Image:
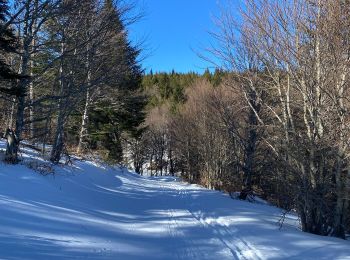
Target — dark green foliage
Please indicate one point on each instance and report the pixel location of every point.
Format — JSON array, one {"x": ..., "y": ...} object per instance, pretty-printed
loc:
[
  {"x": 170, "y": 87},
  {"x": 107, "y": 123},
  {"x": 118, "y": 107},
  {"x": 7, "y": 38},
  {"x": 8, "y": 44},
  {"x": 163, "y": 87},
  {"x": 214, "y": 78},
  {"x": 105, "y": 132}
]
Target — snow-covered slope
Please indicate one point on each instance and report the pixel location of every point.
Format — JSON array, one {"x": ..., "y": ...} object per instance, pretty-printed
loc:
[{"x": 92, "y": 212}]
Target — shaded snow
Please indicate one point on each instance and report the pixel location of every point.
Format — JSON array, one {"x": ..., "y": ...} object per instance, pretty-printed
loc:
[{"x": 94, "y": 212}]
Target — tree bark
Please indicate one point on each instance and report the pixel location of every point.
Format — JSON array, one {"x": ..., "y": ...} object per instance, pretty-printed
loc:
[
  {"x": 250, "y": 147},
  {"x": 58, "y": 143},
  {"x": 84, "y": 123}
]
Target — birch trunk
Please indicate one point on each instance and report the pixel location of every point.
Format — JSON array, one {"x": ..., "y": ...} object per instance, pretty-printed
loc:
[
  {"x": 84, "y": 123},
  {"x": 57, "y": 146},
  {"x": 85, "y": 117}
]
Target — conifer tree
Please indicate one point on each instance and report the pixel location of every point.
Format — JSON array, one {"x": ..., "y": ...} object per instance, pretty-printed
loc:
[
  {"x": 8, "y": 45},
  {"x": 118, "y": 105}
]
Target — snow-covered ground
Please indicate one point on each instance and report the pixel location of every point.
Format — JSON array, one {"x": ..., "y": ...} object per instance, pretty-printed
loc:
[{"x": 88, "y": 211}]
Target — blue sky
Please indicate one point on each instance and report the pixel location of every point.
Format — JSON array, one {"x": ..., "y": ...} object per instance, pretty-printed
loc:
[{"x": 174, "y": 31}]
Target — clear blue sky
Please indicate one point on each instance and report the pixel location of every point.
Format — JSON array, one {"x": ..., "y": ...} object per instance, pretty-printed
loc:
[{"x": 174, "y": 31}]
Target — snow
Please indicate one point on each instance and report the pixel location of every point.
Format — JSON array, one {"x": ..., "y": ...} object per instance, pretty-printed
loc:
[{"x": 92, "y": 211}]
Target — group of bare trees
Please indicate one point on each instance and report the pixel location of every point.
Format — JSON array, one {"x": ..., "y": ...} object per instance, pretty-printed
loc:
[
  {"x": 278, "y": 124},
  {"x": 294, "y": 61},
  {"x": 71, "y": 55}
]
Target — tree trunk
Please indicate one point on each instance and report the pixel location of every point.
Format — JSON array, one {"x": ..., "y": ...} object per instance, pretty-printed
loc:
[
  {"x": 171, "y": 162},
  {"x": 31, "y": 97},
  {"x": 85, "y": 117},
  {"x": 24, "y": 81},
  {"x": 12, "y": 112},
  {"x": 250, "y": 148},
  {"x": 84, "y": 123},
  {"x": 341, "y": 205},
  {"x": 58, "y": 144}
]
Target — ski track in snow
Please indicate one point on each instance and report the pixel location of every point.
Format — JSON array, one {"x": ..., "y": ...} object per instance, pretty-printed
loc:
[
  {"x": 94, "y": 212},
  {"x": 185, "y": 196},
  {"x": 232, "y": 242}
]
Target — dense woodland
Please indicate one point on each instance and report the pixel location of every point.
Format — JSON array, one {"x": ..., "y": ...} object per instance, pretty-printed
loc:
[
  {"x": 271, "y": 119},
  {"x": 68, "y": 62}
]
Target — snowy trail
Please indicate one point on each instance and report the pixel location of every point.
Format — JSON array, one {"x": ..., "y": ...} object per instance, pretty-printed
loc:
[
  {"x": 186, "y": 198},
  {"x": 91, "y": 212},
  {"x": 193, "y": 251}
]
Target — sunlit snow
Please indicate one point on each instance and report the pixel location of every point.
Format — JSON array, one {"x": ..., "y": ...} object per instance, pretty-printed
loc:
[{"x": 94, "y": 212}]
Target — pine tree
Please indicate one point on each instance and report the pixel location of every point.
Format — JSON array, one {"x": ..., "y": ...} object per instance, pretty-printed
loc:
[
  {"x": 78, "y": 38},
  {"x": 7, "y": 46},
  {"x": 119, "y": 107}
]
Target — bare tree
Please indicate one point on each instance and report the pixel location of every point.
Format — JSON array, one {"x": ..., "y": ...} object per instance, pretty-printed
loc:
[
  {"x": 302, "y": 53},
  {"x": 29, "y": 17}
]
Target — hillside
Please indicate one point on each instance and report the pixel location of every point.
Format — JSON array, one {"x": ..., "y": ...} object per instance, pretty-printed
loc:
[{"x": 94, "y": 212}]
